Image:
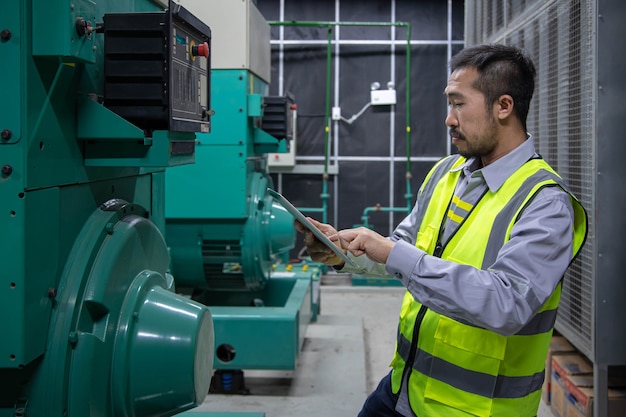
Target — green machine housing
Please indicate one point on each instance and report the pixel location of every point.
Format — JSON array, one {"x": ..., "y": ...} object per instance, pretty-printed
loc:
[
  {"x": 228, "y": 239},
  {"x": 91, "y": 324}
]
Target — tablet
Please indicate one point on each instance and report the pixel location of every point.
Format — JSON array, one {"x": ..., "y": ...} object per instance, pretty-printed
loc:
[{"x": 306, "y": 223}]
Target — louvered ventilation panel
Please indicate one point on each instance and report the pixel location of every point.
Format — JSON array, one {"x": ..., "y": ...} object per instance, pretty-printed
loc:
[{"x": 558, "y": 36}]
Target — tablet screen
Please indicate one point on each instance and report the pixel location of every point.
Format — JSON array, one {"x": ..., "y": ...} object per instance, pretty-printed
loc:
[{"x": 306, "y": 223}]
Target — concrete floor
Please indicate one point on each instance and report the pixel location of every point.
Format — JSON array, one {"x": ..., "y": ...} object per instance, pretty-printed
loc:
[{"x": 345, "y": 354}]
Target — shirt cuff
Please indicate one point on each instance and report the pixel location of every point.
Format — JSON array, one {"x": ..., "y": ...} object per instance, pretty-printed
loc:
[{"x": 402, "y": 260}]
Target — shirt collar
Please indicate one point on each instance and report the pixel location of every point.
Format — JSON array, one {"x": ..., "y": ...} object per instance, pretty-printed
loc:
[{"x": 497, "y": 172}]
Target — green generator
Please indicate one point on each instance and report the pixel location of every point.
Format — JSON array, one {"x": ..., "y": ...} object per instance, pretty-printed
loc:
[
  {"x": 99, "y": 98},
  {"x": 229, "y": 241}
]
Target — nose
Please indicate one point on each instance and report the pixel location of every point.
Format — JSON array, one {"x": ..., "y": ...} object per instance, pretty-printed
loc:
[{"x": 451, "y": 120}]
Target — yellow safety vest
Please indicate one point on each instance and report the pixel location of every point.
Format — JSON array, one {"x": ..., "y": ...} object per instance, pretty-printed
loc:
[{"x": 456, "y": 369}]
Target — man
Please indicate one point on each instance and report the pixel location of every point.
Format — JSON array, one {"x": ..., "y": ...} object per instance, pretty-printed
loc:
[{"x": 482, "y": 255}]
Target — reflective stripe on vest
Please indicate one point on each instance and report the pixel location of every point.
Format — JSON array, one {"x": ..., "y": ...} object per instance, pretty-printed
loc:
[
  {"x": 459, "y": 369},
  {"x": 479, "y": 383}
]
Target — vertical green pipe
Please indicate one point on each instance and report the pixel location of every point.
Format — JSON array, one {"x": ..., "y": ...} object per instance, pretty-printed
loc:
[
  {"x": 324, "y": 196},
  {"x": 408, "y": 196},
  {"x": 327, "y": 104}
]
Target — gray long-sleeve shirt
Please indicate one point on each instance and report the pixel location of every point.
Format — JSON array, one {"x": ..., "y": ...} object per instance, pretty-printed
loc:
[{"x": 528, "y": 268}]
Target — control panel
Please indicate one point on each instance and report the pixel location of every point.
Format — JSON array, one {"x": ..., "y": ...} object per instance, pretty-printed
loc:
[{"x": 157, "y": 69}]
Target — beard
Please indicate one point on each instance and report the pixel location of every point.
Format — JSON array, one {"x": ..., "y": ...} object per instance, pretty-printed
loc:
[{"x": 479, "y": 145}]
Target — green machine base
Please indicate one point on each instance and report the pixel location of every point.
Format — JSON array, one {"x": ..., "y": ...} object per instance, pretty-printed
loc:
[
  {"x": 362, "y": 280},
  {"x": 264, "y": 329}
]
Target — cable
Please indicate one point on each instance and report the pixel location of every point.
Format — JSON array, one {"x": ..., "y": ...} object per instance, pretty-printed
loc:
[{"x": 356, "y": 116}]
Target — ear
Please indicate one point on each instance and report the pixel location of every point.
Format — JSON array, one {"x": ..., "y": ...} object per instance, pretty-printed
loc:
[{"x": 504, "y": 106}]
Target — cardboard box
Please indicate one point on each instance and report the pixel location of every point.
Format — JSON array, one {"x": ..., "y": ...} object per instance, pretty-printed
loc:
[
  {"x": 558, "y": 346},
  {"x": 579, "y": 397},
  {"x": 564, "y": 366},
  {"x": 572, "y": 388}
]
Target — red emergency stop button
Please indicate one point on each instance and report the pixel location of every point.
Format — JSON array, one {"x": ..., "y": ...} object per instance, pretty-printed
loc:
[{"x": 201, "y": 50}]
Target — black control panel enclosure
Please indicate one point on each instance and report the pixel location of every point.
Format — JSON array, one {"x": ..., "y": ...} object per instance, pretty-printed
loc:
[{"x": 157, "y": 69}]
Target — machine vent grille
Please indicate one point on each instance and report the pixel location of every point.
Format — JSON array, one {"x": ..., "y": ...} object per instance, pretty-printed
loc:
[
  {"x": 277, "y": 114},
  {"x": 222, "y": 267},
  {"x": 224, "y": 250}
]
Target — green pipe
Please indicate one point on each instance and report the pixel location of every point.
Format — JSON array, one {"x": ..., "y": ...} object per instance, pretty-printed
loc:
[
  {"x": 311, "y": 209},
  {"x": 325, "y": 197},
  {"x": 329, "y": 25},
  {"x": 365, "y": 216},
  {"x": 327, "y": 104},
  {"x": 408, "y": 196}
]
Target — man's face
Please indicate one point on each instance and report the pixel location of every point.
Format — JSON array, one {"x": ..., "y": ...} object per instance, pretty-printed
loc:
[{"x": 473, "y": 128}]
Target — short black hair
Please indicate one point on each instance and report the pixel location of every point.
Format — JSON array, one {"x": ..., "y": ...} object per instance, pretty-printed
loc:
[{"x": 501, "y": 70}]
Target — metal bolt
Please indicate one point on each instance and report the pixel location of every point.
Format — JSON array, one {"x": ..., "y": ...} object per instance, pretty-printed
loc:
[
  {"x": 5, "y": 34},
  {"x": 6, "y": 134},
  {"x": 7, "y": 170},
  {"x": 52, "y": 292}
]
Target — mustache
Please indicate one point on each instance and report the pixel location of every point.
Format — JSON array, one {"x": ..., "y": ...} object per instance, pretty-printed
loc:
[{"x": 455, "y": 133}]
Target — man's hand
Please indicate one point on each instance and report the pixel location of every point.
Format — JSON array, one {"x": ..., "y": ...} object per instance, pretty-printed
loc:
[
  {"x": 365, "y": 241},
  {"x": 316, "y": 249}
]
